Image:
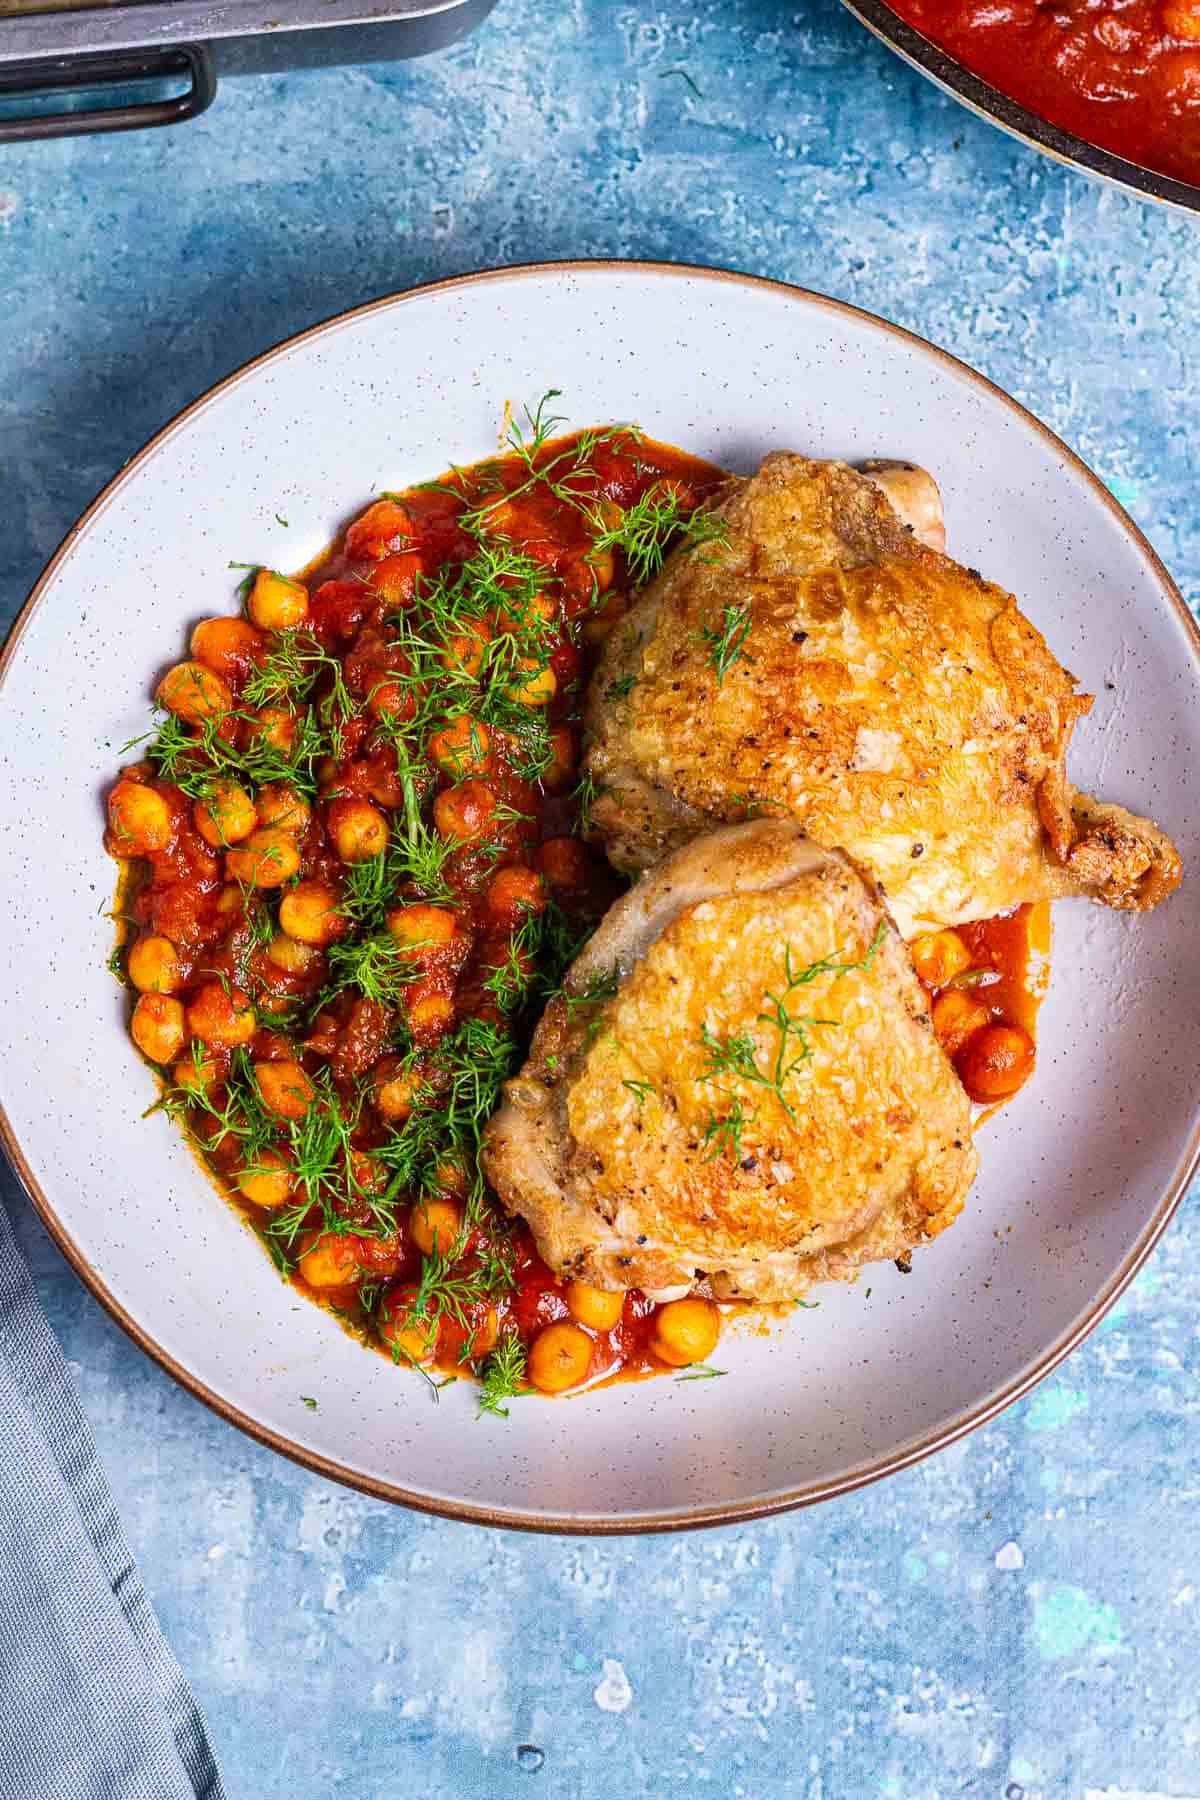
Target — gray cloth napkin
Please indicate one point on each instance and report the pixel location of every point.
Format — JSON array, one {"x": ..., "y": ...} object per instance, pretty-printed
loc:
[{"x": 93, "y": 1705}]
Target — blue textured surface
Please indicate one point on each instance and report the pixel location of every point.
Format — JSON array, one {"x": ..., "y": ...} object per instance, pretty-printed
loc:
[{"x": 1017, "y": 1617}]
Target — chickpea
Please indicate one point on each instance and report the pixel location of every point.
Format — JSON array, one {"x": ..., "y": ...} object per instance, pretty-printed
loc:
[
  {"x": 396, "y": 1091},
  {"x": 384, "y": 528},
  {"x": 154, "y": 966},
  {"x": 289, "y": 956},
  {"x": 465, "y": 650},
  {"x": 559, "y": 772},
  {"x": 464, "y": 811},
  {"x": 559, "y": 1358},
  {"x": 939, "y": 956},
  {"x": 276, "y": 728},
  {"x": 597, "y": 1307},
  {"x": 217, "y": 1017},
  {"x": 367, "y": 1174},
  {"x": 309, "y": 914},
  {"x": 462, "y": 747},
  {"x": 274, "y": 1005},
  {"x": 452, "y": 1177},
  {"x": 230, "y": 902},
  {"x": 139, "y": 819},
  {"x": 685, "y": 1331},
  {"x": 957, "y": 1016},
  {"x": 266, "y": 859},
  {"x": 331, "y": 1260},
  {"x": 267, "y": 1183},
  {"x": 285, "y": 1088},
  {"x": 410, "y": 1338},
  {"x": 601, "y": 568},
  {"x": 194, "y": 693},
  {"x": 538, "y": 686},
  {"x": 196, "y": 1076},
  {"x": 227, "y": 646},
  {"x": 430, "y": 1016},
  {"x": 435, "y": 1225},
  {"x": 391, "y": 700},
  {"x": 385, "y": 786},
  {"x": 358, "y": 829},
  {"x": 275, "y": 603},
  {"x": 158, "y": 1027},
  {"x": 285, "y": 808},
  {"x": 530, "y": 612},
  {"x": 421, "y": 927},
  {"x": 1181, "y": 18},
  {"x": 997, "y": 1061},
  {"x": 227, "y": 815},
  {"x": 394, "y": 578},
  {"x": 597, "y": 628},
  {"x": 565, "y": 863},
  {"x": 513, "y": 894}
]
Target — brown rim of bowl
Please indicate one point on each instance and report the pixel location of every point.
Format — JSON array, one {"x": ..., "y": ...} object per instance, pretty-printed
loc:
[
  {"x": 1031, "y": 128},
  {"x": 630, "y": 1523}
]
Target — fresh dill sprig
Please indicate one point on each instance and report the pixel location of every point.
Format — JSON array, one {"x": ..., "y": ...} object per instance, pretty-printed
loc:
[
  {"x": 725, "y": 641},
  {"x": 598, "y": 988},
  {"x": 585, "y": 796},
  {"x": 737, "y": 1054},
  {"x": 461, "y": 1084},
  {"x": 654, "y": 525},
  {"x": 554, "y": 943},
  {"x": 641, "y": 1090},
  {"x": 317, "y": 1148},
  {"x": 379, "y": 967},
  {"x": 196, "y": 760},
  {"x": 502, "y": 1376},
  {"x": 514, "y": 979},
  {"x": 451, "y": 1288},
  {"x": 567, "y": 473},
  {"x": 723, "y": 1132}
]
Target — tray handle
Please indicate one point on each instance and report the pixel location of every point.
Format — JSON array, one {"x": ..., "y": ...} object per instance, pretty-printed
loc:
[{"x": 106, "y": 68}]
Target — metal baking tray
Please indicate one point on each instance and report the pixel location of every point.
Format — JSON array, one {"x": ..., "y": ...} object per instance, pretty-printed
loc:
[
  {"x": 53, "y": 53},
  {"x": 1017, "y": 120}
]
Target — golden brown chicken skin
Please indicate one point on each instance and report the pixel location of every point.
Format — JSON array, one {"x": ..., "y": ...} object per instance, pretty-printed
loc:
[
  {"x": 828, "y": 665},
  {"x": 740, "y": 1082}
]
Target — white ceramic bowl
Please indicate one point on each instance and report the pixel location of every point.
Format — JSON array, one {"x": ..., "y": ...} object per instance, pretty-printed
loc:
[{"x": 1079, "y": 1175}]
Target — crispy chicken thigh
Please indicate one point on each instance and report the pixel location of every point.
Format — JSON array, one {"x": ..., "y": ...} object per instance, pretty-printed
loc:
[
  {"x": 740, "y": 1081},
  {"x": 827, "y": 663}
]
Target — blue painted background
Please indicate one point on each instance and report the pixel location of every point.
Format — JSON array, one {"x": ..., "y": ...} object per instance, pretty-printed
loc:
[{"x": 1017, "y": 1618}]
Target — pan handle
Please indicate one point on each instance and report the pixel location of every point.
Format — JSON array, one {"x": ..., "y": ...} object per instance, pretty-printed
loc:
[{"x": 106, "y": 68}]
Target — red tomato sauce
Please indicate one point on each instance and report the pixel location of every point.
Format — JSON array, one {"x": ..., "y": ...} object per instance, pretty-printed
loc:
[
  {"x": 985, "y": 981},
  {"x": 354, "y": 725},
  {"x": 1121, "y": 74}
]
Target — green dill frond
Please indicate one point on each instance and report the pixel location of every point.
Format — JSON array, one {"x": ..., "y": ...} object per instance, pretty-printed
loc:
[
  {"x": 725, "y": 641},
  {"x": 723, "y": 1132},
  {"x": 585, "y": 795},
  {"x": 598, "y": 989},
  {"x": 378, "y": 967},
  {"x": 651, "y": 528},
  {"x": 502, "y": 1377},
  {"x": 737, "y": 1055},
  {"x": 196, "y": 760}
]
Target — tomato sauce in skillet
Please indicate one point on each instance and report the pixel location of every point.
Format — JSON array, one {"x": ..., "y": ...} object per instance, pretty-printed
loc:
[{"x": 1122, "y": 74}]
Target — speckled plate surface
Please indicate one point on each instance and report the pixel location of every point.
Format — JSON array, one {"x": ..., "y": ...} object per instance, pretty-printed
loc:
[{"x": 1080, "y": 1174}]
